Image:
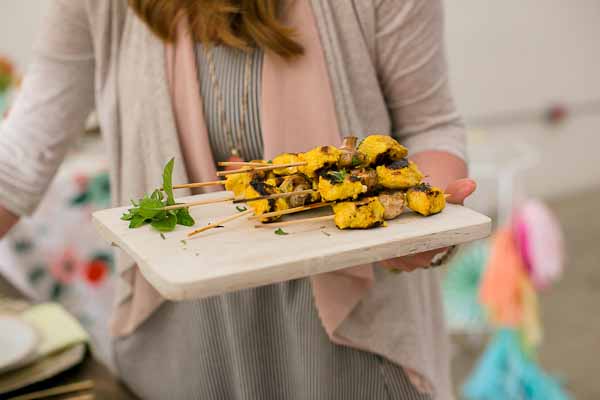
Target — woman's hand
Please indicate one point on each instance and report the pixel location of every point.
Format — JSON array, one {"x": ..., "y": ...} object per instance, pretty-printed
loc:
[{"x": 458, "y": 190}]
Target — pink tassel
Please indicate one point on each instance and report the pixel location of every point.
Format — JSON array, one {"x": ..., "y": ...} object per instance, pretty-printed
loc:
[{"x": 540, "y": 242}]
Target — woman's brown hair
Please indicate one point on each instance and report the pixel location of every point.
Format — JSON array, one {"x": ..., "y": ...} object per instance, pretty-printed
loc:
[{"x": 240, "y": 24}]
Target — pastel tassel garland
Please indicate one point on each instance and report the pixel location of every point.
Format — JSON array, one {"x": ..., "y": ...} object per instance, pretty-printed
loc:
[{"x": 524, "y": 257}]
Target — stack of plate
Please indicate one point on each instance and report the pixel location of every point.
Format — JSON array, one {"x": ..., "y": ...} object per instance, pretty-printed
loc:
[{"x": 20, "y": 365}]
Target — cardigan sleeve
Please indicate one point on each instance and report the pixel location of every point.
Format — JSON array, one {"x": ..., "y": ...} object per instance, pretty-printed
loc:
[
  {"x": 412, "y": 68},
  {"x": 50, "y": 110}
]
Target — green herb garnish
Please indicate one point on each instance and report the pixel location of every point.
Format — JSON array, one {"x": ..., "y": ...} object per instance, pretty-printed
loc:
[
  {"x": 149, "y": 209},
  {"x": 337, "y": 176},
  {"x": 241, "y": 209},
  {"x": 356, "y": 161},
  {"x": 162, "y": 235},
  {"x": 280, "y": 231},
  {"x": 183, "y": 242}
]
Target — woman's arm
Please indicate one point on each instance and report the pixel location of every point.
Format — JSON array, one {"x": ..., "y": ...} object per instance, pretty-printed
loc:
[
  {"x": 413, "y": 73},
  {"x": 50, "y": 110},
  {"x": 412, "y": 67}
]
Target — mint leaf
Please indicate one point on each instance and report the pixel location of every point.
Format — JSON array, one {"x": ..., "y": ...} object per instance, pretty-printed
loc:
[
  {"x": 168, "y": 181},
  {"x": 150, "y": 207},
  {"x": 184, "y": 218},
  {"x": 166, "y": 224},
  {"x": 241, "y": 209},
  {"x": 337, "y": 176},
  {"x": 157, "y": 195},
  {"x": 128, "y": 216},
  {"x": 137, "y": 221},
  {"x": 280, "y": 231}
]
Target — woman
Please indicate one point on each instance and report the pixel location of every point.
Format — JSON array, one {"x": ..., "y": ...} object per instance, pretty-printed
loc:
[{"x": 210, "y": 80}]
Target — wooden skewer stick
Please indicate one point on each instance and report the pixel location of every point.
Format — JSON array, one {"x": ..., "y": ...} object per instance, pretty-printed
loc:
[
  {"x": 296, "y": 221},
  {"x": 274, "y": 196},
  {"x": 219, "y": 223},
  {"x": 447, "y": 195},
  {"x": 241, "y": 164},
  {"x": 196, "y": 203},
  {"x": 268, "y": 167},
  {"x": 290, "y": 210},
  {"x": 233, "y": 199},
  {"x": 55, "y": 391},
  {"x": 198, "y": 184}
]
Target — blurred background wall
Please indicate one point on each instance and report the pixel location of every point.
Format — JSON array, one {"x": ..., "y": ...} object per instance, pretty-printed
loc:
[
  {"x": 19, "y": 21},
  {"x": 510, "y": 60}
]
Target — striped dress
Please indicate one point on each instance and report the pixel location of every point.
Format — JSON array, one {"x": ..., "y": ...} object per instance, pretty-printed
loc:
[{"x": 263, "y": 343}]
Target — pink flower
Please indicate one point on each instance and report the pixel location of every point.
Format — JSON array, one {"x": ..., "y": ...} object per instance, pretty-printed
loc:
[{"x": 64, "y": 268}]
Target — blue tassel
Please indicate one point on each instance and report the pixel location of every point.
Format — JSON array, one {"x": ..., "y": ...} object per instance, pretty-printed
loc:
[{"x": 505, "y": 373}]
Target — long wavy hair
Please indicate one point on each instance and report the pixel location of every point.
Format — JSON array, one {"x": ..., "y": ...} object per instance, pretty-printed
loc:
[{"x": 242, "y": 24}]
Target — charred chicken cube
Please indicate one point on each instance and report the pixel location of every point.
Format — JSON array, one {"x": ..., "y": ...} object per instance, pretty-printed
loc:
[
  {"x": 400, "y": 174},
  {"x": 237, "y": 183},
  {"x": 257, "y": 189},
  {"x": 318, "y": 159},
  {"x": 393, "y": 203},
  {"x": 286, "y": 158},
  {"x": 363, "y": 214},
  {"x": 426, "y": 200},
  {"x": 339, "y": 185},
  {"x": 381, "y": 149}
]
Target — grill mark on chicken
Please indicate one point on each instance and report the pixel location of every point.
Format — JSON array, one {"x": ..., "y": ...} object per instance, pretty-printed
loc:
[{"x": 398, "y": 164}]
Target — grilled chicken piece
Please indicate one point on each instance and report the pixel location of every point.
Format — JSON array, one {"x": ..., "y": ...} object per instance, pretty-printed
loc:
[
  {"x": 340, "y": 185},
  {"x": 363, "y": 214},
  {"x": 319, "y": 159},
  {"x": 286, "y": 158},
  {"x": 400, "y": 174},
  {"x": 237, "y": 183},
  {"x": 381, "y": 149},
  {"x": 393, "y": 204},
  {"x": 257, "y": 189},
  {"x": 426, "y": 200}
]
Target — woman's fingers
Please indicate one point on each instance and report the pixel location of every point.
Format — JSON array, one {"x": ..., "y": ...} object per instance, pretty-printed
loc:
[
  {"x": 412, "y": 262},
  {"x": 460, "y": 189}
]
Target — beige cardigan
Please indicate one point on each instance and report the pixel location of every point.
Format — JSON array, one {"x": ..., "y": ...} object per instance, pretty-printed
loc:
[{"x": 387, "y": 73}]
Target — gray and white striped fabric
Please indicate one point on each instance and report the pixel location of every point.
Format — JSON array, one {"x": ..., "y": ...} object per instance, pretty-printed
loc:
[
  {"x": 264, "y": 343},
  {"x": 229, "y": 66}
]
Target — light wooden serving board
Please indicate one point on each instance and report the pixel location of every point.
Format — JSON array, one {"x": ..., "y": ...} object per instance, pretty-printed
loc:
[{"x": 241, "y": 256}]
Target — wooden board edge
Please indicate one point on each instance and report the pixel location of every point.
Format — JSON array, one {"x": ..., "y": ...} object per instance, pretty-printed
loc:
[
  {"x": 166, "y": 290},
  {"x": 179, "y": 292}
]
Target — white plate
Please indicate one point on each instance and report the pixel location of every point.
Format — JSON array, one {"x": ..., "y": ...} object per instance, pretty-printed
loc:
[
  {"x": 240, "y": 256},
  {"x": 18, "y": 342}
]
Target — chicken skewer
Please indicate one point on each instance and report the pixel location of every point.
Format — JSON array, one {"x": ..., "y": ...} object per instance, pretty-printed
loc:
[{"x": 375, "y": 210}]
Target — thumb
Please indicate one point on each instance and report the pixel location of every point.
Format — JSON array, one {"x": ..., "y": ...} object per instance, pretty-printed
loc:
[{"x": 460, "y": 189}]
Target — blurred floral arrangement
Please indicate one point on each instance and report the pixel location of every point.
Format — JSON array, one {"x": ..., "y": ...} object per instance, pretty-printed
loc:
[{"x": 9, "y": 79}]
